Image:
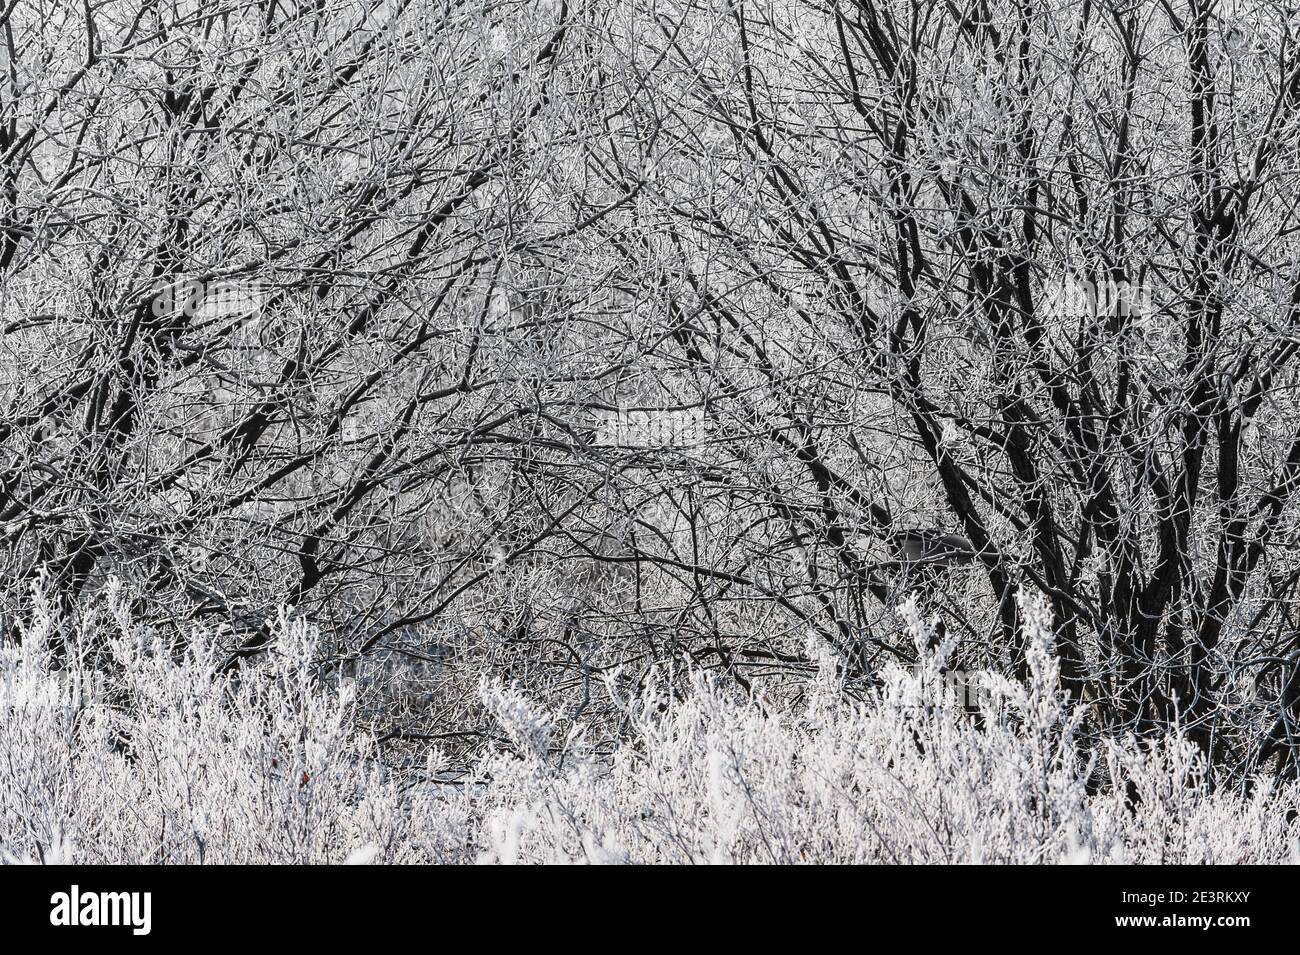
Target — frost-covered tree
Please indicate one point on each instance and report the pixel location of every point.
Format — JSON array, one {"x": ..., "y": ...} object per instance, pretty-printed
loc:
[{"x": 538, "y": 341}]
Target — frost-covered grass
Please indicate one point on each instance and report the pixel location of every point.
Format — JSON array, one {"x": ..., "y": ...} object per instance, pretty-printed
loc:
[{"x": 177, "y": 763}]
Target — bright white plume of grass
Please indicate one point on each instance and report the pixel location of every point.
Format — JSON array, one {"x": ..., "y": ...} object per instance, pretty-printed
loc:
[{"x": 171, "y": 761}]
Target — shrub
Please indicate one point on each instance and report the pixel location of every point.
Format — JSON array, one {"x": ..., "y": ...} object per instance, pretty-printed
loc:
[{"x": 155, "y": 755}]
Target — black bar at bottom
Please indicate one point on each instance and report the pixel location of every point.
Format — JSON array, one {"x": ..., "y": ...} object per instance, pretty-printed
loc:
[{"x": 301, "y": 906}]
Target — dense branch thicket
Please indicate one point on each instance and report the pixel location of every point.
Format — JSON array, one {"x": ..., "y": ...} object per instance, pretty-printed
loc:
[{"x": 535, "y": 339}]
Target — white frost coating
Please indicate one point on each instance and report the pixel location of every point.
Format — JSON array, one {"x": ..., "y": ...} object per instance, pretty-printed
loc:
[{"x": 178, "y": 763}]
